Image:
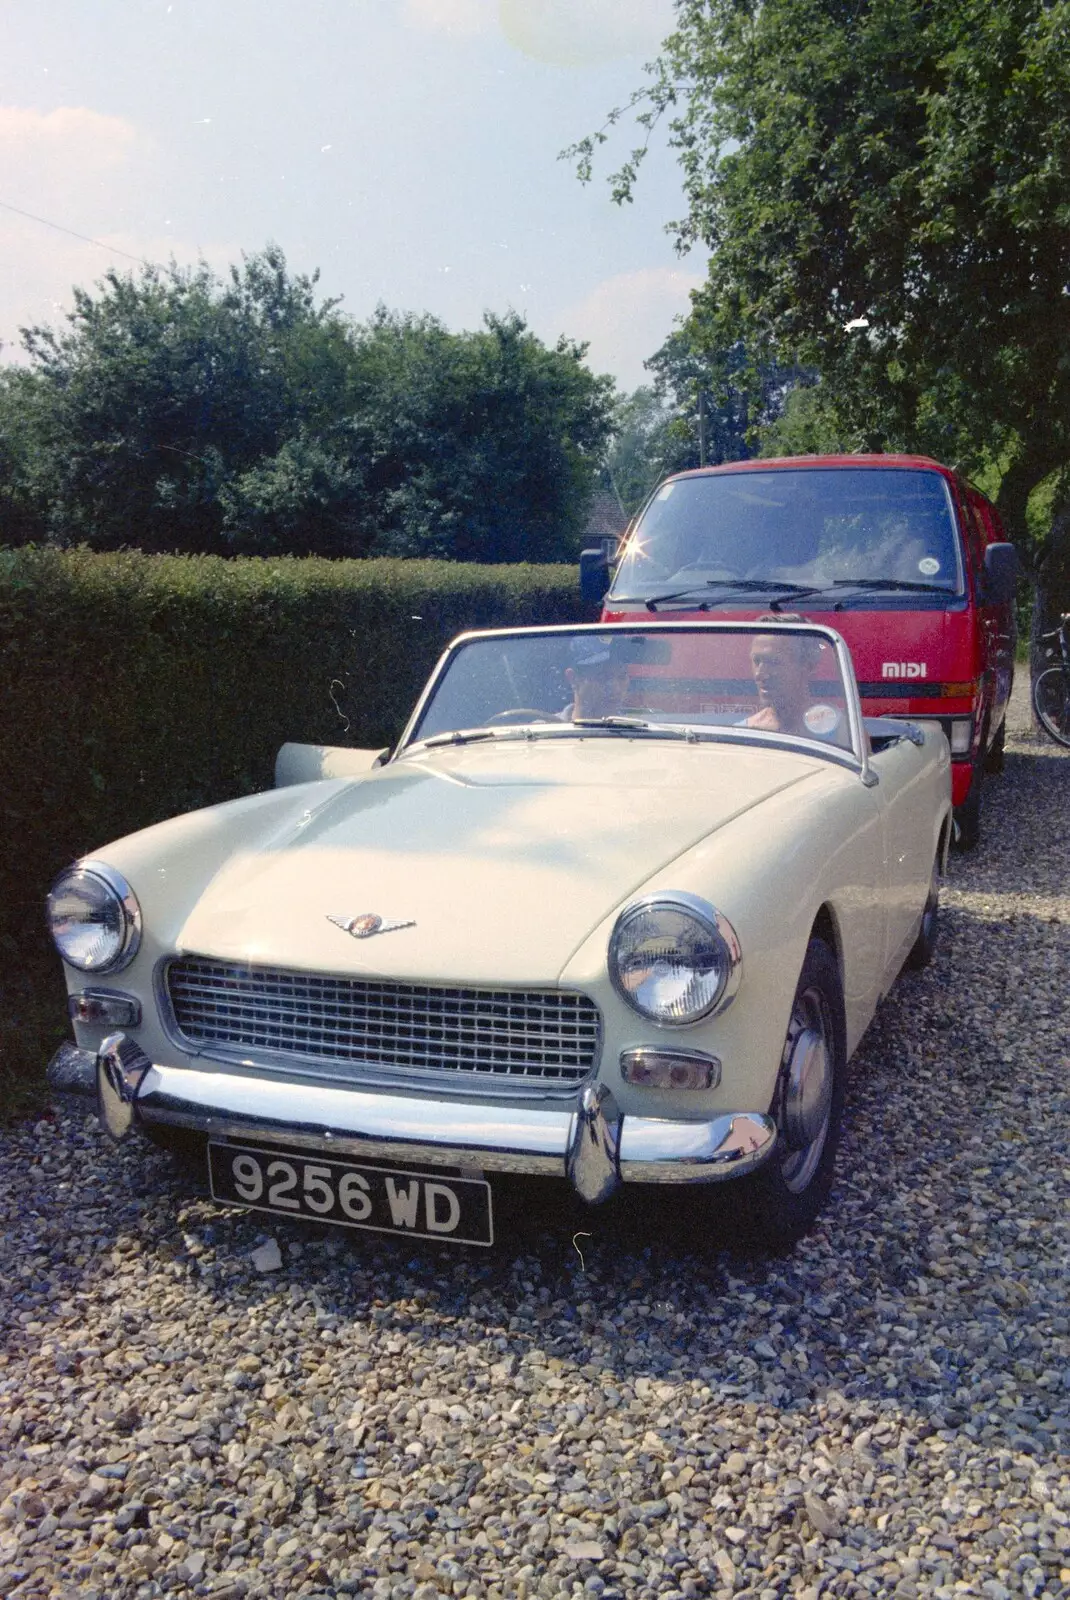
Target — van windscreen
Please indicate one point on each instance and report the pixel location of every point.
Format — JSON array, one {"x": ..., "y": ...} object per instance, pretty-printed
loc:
[{"x": 819, "y": 527}]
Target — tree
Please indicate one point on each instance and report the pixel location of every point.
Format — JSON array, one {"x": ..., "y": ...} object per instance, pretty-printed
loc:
[
  {"x": 179, "y": 411},
  {"x": 739, "y": 395},
  {"x": 482, "y": 446},
  {"x": 650, "y": 440},
  {"x": 882, "y": 188},
  {"x": 705, "y": 406},
  {"x": 808, "y": 425},
  {"x": 164, "y": 386}
]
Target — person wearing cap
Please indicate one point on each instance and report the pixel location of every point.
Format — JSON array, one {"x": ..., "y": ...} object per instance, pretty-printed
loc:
[{"x": 598, "y": 678}]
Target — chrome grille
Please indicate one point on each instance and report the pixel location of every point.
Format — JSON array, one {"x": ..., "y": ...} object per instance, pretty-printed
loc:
[{"x": 543, "y": 1035}]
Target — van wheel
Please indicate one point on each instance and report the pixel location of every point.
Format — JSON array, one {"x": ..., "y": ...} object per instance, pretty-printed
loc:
[
  {"x": 783, "y": 1197},
  {"x": 968, "y": 816},
  {"x": 994, "y": 760}
]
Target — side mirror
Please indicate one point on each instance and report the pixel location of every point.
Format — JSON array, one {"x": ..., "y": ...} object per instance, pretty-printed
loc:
[
  {"x": 594, "y": 575},
  {"x": 1000, "y": 573},
  {"x": 307, "y": 763}
]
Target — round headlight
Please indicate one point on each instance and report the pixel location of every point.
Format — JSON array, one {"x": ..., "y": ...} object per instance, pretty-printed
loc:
[
  {"x": 674, "y": 958},
  {"x": 94, "y": 918}
]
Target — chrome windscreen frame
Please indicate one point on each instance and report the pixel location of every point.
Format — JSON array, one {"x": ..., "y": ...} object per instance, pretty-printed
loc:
[
  {"x": 855, "y": 759},
  {"x": 474, "y": 1086}
]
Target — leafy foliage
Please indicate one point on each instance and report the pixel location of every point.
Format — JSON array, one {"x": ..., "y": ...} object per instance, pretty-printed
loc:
[
  {"x": 883, "y": 189},
  {"x": 650, "y": 440},
  {"x": 181, "y": 412},
  {"x": 701, "y": 396},
  {"x": 741, "y": 395},
  {"x": 482, "y": 446},
  {"x": 808, "y": 425}
]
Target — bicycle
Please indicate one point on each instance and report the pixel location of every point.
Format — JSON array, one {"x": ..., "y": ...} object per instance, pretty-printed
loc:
[{"x": 1051, "y": 689}]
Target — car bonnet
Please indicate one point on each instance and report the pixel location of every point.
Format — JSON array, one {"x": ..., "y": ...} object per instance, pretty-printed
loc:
[{"x": 498, "y": 859}]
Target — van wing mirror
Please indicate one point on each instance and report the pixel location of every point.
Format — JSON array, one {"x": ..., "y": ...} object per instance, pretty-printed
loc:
[
  {"x": 595, "y": 575},
  {"x": 1000, "y": 573},
  {"x": 307, "y": 763}
]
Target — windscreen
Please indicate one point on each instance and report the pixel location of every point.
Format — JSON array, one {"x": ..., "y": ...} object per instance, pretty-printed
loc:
[
  {"x": 777, "y": 679},
  {"x": 820, "y": 527}
]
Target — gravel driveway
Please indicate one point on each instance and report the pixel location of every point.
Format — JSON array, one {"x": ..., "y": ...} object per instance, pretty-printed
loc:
[{"x": 886, "y": 1411}]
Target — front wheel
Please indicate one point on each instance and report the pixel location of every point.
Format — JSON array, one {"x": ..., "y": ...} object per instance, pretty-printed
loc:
[
  {"x": 924, "y": 947},
  {"x": 784, "y": 1197},
  {"x": 1051, "y": 702}
]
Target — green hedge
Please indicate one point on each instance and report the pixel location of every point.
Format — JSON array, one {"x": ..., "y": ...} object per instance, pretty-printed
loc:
[{"x": 137, "y": 686}]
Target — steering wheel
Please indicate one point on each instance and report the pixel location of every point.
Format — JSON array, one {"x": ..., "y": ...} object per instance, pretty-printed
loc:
[{"x": 520, "y": 714}]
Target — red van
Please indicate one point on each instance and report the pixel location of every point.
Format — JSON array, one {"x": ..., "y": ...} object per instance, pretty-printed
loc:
[{"x": 899, "y": 554}]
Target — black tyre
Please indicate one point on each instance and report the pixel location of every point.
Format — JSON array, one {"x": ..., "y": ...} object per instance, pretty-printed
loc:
[
  {"x": 1051, "y": 702},
  {"x": 924, "y": 947},
  {"x": 995, "y": 759},
  {"x": 967, "y": 833},
  {"x": 784, "y": 1197}
]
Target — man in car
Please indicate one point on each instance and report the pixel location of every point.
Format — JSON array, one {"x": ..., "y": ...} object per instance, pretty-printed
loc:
[
  {"x": 598, "y": 678},
  {"x": 781, "y": 665}
]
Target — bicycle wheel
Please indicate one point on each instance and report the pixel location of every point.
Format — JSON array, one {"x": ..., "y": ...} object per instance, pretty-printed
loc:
[{"x": 1051, "y": 702}]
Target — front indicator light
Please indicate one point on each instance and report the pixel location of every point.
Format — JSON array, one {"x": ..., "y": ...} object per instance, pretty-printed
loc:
[
  {"x": 670, "y": 1069},
  {"x": 104, "y": 1008}
]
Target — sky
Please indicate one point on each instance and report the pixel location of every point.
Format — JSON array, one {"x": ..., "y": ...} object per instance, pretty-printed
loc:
[{"x": 407, "y": 149}]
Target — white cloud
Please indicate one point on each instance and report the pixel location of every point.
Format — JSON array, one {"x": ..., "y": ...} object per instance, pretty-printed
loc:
[
  {"x": 628, "y": 317},
  {"x": 56, "y": 154},
  {"x": 450, "y": 16},
  {"x": 81, "y": 170},
  {"x": 562, "y": 33},
  {"x": 582, "y": 33}
]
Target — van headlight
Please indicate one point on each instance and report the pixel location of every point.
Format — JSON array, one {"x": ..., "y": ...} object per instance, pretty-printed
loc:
[
  {"x": 674, "y": 958},
  {"x": 94, "y": 918}
]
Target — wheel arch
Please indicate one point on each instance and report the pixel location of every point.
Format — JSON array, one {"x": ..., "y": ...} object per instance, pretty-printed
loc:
[
  {"x": 947, "y": 829},
  {"x": 826, "y": 926}
]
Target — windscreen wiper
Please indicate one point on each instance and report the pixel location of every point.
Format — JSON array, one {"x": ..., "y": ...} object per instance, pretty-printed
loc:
[
  {"x": 627, "y": 723},
  {"x": 776, "y": 588},
  {"x": 888, "y": 586},
  {"x": 462, "y": 736},
  {"x": 893, "y": 583}
]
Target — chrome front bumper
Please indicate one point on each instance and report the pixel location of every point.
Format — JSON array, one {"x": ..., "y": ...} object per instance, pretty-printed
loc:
[{"x": 591, "y": 1144}]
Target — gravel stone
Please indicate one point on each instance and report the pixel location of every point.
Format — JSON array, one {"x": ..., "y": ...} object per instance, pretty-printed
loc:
[
  {"x": 885, "y": 1411},
  {"x": 267, "y": 1257}
]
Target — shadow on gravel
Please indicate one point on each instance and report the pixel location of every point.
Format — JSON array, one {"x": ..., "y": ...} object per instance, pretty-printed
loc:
[
  {"x": 930, "y": 1287},
  {"x": 1025, "y": 826}
]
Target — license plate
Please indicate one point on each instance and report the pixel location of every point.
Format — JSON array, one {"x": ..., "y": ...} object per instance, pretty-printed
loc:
[{"x": 382, "y": 1199}]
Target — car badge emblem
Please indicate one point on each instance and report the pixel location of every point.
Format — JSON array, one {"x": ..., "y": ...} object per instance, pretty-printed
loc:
[{"x": 366, "y": 924}]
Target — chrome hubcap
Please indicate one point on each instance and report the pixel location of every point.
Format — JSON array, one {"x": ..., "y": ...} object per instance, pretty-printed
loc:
[{"x": 806, "y": 1104}]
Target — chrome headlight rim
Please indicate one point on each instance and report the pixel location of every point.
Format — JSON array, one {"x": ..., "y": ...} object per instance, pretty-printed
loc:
[
  {"x": 716, "y": 925},
  {"x": 116, "y": 885}
]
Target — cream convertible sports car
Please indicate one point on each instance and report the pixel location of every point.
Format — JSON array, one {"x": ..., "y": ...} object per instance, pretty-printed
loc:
[{"x": 618, "y": 907}]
